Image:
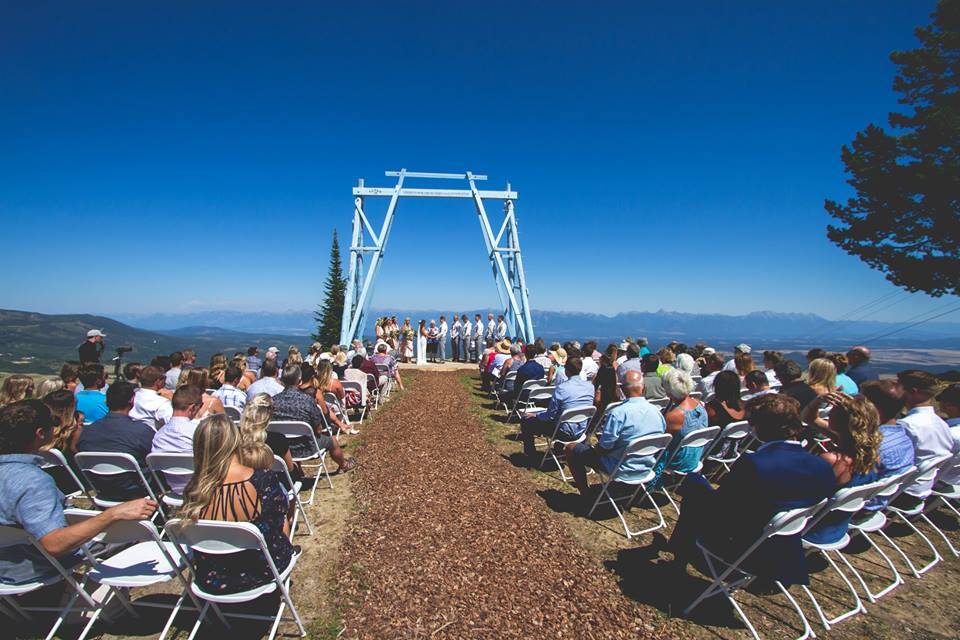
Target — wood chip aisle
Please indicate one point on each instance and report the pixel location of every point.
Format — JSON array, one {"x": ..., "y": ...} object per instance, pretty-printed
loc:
[{"x": 451, "y": 541}]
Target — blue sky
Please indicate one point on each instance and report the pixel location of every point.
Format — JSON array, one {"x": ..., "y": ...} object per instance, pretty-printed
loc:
[{"x": 181, "y": 156}]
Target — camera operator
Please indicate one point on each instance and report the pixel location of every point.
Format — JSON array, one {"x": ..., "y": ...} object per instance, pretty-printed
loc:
[{"x": 91, "y": 349}]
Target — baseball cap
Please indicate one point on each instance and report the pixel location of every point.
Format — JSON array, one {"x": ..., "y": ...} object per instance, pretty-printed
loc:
[
  {"x": 273, "y": 350},
  {"x": 709, "y": 351},
  {"x": 623, "y": 346},
  {"x": 744, "y": 348},
  {"x": 96, "y": 333}
]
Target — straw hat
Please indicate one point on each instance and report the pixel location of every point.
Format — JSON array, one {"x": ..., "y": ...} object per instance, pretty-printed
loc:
[
  {"x": 559, "y": 356},
  {"x": 504, "y": 346}
]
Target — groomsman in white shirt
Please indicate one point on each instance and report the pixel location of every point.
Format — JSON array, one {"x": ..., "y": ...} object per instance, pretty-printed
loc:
[
  {"x": 478, "y": 337},
  {"x": 501, "y": 329},
  {"x": 442, "y": 337},
  {"x": 466, "y": 338},
  {"x": 455, "y": 339},
  {"x": 491, "y": 327}
]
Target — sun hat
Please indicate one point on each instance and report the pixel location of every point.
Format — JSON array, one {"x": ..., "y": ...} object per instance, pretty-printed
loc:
[
  {"x": 709, "y": 351},
  {"x": 743, "y": 348},
  {"x": 559, "y": 356},
  {"x": 96, "y": 333},
  {"x": 504, "y": 346}
]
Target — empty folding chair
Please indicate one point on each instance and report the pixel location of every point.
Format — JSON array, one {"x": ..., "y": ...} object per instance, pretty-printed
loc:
[
  {"x": 354, "y": 389},
  {"x": 15, "y": 536},
  {"x": 698, "y": 438},
  {"x": 233, "y": 413},
  {"x": 294, "y": 430},
  {"x": 844, "y": 503},
  {"x": 94, "y": 465},
  {"x": 573, "y": 414},
  {"x": 293, "y": 493},
  {"x": 55, "y": 463},
  {"x": 730, "y": 445},
  {"x": 226, "y": 538},
  {"x": 163, "y": 466},
  {"x": 927, "y": 472},
  {"x": 144, "y": 561},
  {"x": 726, "y": 577},
  {"x": 652, "y": 446},
  {"x": 663, "y": 403}
]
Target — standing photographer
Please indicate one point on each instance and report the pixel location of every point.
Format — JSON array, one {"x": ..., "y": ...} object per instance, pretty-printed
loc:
[{"x": 91, "y": 349}]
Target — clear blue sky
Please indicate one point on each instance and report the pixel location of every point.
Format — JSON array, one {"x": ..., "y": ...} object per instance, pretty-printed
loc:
[{"x": 192, "y": 155}]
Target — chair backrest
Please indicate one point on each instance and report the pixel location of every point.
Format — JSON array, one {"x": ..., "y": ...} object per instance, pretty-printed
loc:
[
  {"x": 10, "y": 536},
  {"x": 530, "y": 385},
  {"x": 290, "y": 428},
  {"x": 382, "y": 368},
  {"x": 117, "y": 532},
  {"x": 281, "y": 467},
  {"x": 179, "y": 465},
  {"x": 352, "y": 385},
  {"x": 217, "y": 537},
  {"x": 853, "y": 499},
  {"x": 699, "y": 437},
  {"x": 739, "y": 433},
  {"x": 660, "y": 402},
  {"x": 951, "y": 467},
  {"x": 895, "y": 484},
  {"x": 54, "y": 459},
  {"x": 696, "y": 394},
  {"x": 541, "y": 393},
  {"x": 653, "y": 445},
  {"x": 233, "y": 413},
  {"x": 791, "y": 522},
  {"x": 576, "y": 414}
]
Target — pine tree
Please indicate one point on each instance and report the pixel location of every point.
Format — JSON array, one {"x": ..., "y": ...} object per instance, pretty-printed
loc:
[
  {"x": 905, "y": 217},
  {"x": 329, "y": 313}
]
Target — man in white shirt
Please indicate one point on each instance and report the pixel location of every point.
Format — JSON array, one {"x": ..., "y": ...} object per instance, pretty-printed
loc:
[
  {"x": 501, "y": 329},
  {"x": 442, "y": 339},
  {"x": 466, "y": 338},
  {"x": 930, "y": 434},
  {"x": 757, "y": 385},
  {"x": 732, "y": 363},
  {"x": 478, "y": 337},
  {"x": 173, "y": 374},
  {"x": 491, "y": 327},
  {"x": 455, "y": 339},
  {"x": 176, "y": 436},
  {"x": 949, "y": 401},
  {"x": 712, "y": 365},
  {"x": 149, "y": 406},
  {"x": 267, "y": 383},
  {"x": 590, "y": 367},
  {"x": 770, "y": 361}
]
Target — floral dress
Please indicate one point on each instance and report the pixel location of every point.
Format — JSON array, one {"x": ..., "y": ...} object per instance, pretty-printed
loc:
[{"x": 235, "y": 572}]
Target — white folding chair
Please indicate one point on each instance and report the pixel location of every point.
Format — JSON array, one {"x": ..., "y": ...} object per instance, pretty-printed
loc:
[
  {"x": 294, "y": 430},
  {"x": 927, "y": 472},
  {"x": 375, "y": 394},
  {"x": 943, "y": 495},
  {"x": 573, "y": 414},
  {"x": 224, "y": 538},
  {"x": 15, "y": 536},
  {"x": 726, "y": 577},
  {"x": 844, "y": 501},
  {"x": 53, "y": 459},
  {"x": 163, "y": 466},
  {"x": 650, "y": 446},
  {"x": 702, "y": 438},
  {"x": 384, "y": 371},
  {"x": 730, "y": 445},
  {"x": 293, "y": 493},
  {"x": 696, "y": 394},
  {"x": 500, "y": 388},
  {"x": 875, "y": 523},
  {"x": 107, "y": 464},
  {"x": 334, "y": 404},
  {"x": 144, "y": 561},
  {"x": 663, "y": 403},
  {"x": 353, "y": 387},
  {"x": 233, "y": 413},
  {"x": 522, "y": 399}
]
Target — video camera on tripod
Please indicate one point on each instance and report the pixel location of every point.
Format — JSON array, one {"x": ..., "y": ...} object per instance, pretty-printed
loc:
[{"x": 118, "y": 362}]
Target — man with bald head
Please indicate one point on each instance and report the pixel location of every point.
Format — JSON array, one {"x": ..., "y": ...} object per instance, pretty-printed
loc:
[
  {"x": 860, "y": 370},
  {"x": 633, "y": 418}
]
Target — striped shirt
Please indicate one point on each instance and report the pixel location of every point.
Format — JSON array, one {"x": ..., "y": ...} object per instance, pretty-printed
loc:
[{"x": 230, "y": 396}]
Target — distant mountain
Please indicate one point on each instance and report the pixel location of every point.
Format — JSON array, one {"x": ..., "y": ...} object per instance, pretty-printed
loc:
[
  {"x": 658, "y": 326},
  {"x": 36, "y": 342}
]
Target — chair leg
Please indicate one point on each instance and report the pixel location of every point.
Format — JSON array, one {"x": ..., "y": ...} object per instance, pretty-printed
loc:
[
  {"x": 173, "y": 615},
  {"x": 897, "y": 578},
  {"x": 936, "y": 554},
  {"x": 858, "y": 606},
  {"x": 200, "y": 617},
  {"x": 940, "y": 532}
]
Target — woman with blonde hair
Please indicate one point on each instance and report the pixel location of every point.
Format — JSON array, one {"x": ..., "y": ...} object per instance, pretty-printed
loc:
[
  {"x": 822, "y": 376},
  {"x": 293, "y": 356},
  {"x": 327, "y": 381},
  {"x": 248, "y": 377},
  {"x": 218, "y": 366},
  {"x": 201, "y": 378},
  {"x": 257, "y": 445},
  {"x": 15, "y": 388},
  {"x": 224, "y": 488},
  {"x": 744, "y": 364},
  {"x": 67, "y": 422},
  {"x": 48, "y": 386}
]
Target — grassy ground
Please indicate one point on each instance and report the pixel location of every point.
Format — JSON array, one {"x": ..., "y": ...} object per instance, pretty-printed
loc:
[{"x": 924, "y": 608}]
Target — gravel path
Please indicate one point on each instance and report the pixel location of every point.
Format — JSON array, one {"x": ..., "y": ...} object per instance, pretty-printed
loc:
[{"x": 451, "y": 541}]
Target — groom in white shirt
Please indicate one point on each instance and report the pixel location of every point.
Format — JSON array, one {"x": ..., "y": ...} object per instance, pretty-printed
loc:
[
  {"x": 455, "y": 338},
  {"x": 442, "y": 337},
  {"x": 477, "y": 337},
  {"x": 501, "y": 330}
]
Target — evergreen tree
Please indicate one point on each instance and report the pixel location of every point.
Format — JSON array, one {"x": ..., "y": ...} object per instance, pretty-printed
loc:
[
  {"x": 905, "y": 217},
  {"x": 329, "y": 313}
]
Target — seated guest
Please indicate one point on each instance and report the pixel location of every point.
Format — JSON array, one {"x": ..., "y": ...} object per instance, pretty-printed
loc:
[
  {"x": 309, "y": 386},
  {"x": 512, "y": 363},
  {"x": 223, "y": 488},
  {"x": 556, "y": 374},
  {"x": 667, "y": 358},
  {"x": 117, "y": 432},
  {"x": 291, "y": 404},
  {"x": 48, "y": 386},
  {"x": 844, "y": 383},
  {"x": 725, "y": 406},
  {"x": 822, "y": 376},
  {"x": 770, "y": 361},
  {"x": 949, "y": 401},
  {"x": 240, "y": 362},
  {"x": 684, "y": 415},
  {"x": 542, "y": 356},
  {"x": 622, "y": 425},
  {"x": 383, "y": 358},
  {"x": 149, "y": 407},
  {"x": 355, "y": 373},
  {"x": 789, "y": 374},
  {"x": 815, "y": 353},
  {"x": 327, "y": 380},
  {"x": 30, "y": 500},
  {"x": 853, "y": 427},
  {"x": 69, "y": 422},
  {"x": 69, "y": 374},
  {"x": 268, "y": 382},
  {"x": 131, "y": 373},
  {"x": 758, "y": 384},
  {"x": 731, "y": 364},
  {"x": 744, "y": 364},
  {"x": 643, "y": 343},
  {"x": 574, "y": 392},
  {"x": 687, "y": 364},
  {"x": 229, "y": 394},
  {"x": 605, "y": 382},
  {"x": 91, "y": 402},
  {"x": 779, "y": 476},
  {"x": 173, "y": 373},
  {"x": 896, "y": 453},
  {"x": 176, "y": 436},
  {"x": 930, "y": 434},
  {"x": 529, "y": 370},
  {"x": 859, "y": 368},
  {"x": 652, "y": 384},
  {"x": 712, "y": 365},
  {"x": 500, "y": 356},
  {"x": 591, "y": 361},
  {"x": 375, "y": 381},
  {"x": 200, "y": 377},
  {"x": 253, "y": 361},
  {"x": 632, "y": 363},
  {"x": 257, "y": 445}
]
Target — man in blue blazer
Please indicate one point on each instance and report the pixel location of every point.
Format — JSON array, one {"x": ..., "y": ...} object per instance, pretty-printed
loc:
[{"x": 779, "y": 476}]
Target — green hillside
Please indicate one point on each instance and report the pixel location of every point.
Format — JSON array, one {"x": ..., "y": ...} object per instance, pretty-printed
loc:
[{"x": 40, "y": 343}]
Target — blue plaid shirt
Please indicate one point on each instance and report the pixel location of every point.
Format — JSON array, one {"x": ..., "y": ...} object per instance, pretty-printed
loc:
[
  {"x": 897, "y": 454},
  {"x": 230, "y": 396}
]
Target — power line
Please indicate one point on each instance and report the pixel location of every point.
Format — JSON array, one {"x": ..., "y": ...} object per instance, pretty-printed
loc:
[
  {"x": 847, "y": 318},
  {"x": 919, "y": 322}
]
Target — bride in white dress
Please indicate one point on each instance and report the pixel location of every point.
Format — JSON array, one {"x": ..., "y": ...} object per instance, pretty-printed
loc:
[{"x": 422, "y": 343}]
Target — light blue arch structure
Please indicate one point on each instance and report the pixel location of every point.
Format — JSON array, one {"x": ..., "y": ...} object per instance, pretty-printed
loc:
[{"x": 367, "y": 248}]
